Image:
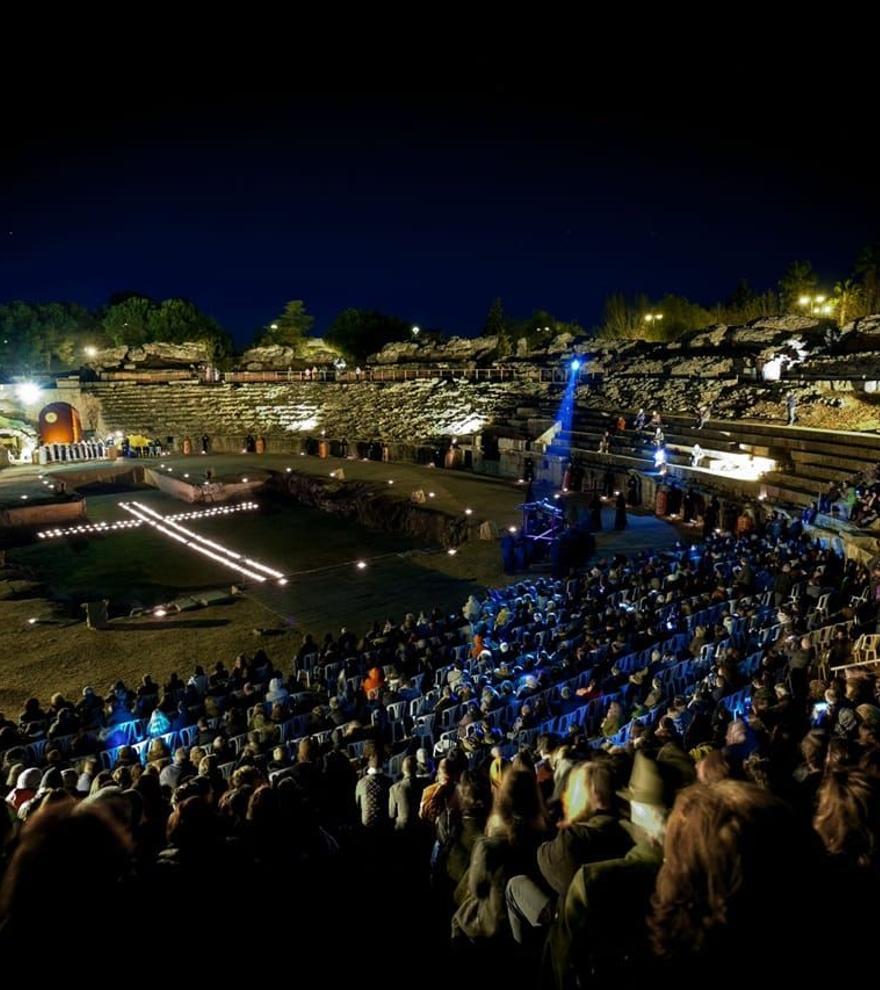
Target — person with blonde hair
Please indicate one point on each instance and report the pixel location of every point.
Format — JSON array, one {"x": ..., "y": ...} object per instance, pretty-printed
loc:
[{"x": 589, "y": 832}]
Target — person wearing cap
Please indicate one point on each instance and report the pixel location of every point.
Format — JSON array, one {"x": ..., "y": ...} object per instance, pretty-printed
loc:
[{"x": 601, "y": 921}]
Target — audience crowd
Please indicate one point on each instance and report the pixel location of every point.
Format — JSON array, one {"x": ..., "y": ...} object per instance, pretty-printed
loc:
[{"x": 661, "y": 767}]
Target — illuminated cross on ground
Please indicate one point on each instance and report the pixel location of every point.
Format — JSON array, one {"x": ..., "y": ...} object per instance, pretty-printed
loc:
[
  {"x": 170, "y": 526},
  {"x": 253, "y": 569},
  {"x": 125, "y": 524}
]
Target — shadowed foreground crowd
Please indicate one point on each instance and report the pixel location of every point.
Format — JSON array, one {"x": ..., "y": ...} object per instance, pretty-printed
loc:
[{"x": 702, "y": 846}]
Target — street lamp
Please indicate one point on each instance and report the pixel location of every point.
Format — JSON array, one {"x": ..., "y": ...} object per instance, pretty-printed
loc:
[
  {"x": 90, "y": 351},
  {"x": 652, "y": 317},
  {"x": 816, "y": 304},
  {"x": 273, "y": 326},
  {"x": 416, "y": 331}
]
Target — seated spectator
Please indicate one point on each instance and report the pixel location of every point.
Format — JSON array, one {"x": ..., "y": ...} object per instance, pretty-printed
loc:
[
  {"x": 589, "y": 832},
  {"x": 514, "y": 830},
  {"x": 600, "y": 928},
  {"x": 739, "y": 870}
]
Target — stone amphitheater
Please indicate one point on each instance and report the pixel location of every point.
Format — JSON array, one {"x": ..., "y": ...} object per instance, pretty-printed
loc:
[
  {"x": 394, "y": 411},
  {"x": 743, "y": 372}
]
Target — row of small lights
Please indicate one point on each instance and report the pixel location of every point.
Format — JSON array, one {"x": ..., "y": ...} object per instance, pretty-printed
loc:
[
  {"x": 104, "y": 527},
  {"x": 49, "y": 534},
  {"x": 220, "y": 510}
]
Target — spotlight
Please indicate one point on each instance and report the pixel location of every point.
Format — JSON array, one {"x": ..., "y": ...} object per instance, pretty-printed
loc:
[
  {"x": 468, "y": 512},
  {"x": 28, "y": 392},
  {"x": 452, "y": 551},
  {"x": 244, "y": 480},
  {"x": 159, "y": 612},
  {"x": 361, "y": 565},
  {"x": 431, "y": 495},
  {"x": 282, "y": 581},
  {"x": 575, "y": 364},
  {"x": 289, "y": 470},
  {"x": 390, "y": 481},
  {"x": 32, "y": 621},
  {"x": 511, "y": 529}
]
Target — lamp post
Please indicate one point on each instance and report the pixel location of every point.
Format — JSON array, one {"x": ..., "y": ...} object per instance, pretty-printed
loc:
[
  {"x": 816, "y": 304},
  {"x": 652, "y": 318}
]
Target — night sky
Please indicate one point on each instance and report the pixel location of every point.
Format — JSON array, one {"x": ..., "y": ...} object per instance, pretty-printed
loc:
[{"x": 425, "y": 205}]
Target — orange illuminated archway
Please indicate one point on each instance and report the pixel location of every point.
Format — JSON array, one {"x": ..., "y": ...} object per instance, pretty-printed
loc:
[{"x": 60, "y": 423}]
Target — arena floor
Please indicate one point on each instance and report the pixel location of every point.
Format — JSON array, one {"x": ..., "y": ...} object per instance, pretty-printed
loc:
[{"x": 318, "y": 552}]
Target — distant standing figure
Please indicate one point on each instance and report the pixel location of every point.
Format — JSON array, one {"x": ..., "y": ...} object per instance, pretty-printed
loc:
[
  {"x": 696, "y": 455},
  {"x": 702, "y": 416},
  {"x": 791, "y": 406},
  {"x": 206, "y": 443},
  {"x": 639, "y": 423},
  {"x": 632, "y": 488},
  {"x": 250, "y": 444},
  {"x": 687, "y": 505},
  {"x": 620, "y": 514}
]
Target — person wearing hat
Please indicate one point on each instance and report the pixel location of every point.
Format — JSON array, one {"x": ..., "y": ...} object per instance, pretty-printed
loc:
[{"x": 601, "y": 922}]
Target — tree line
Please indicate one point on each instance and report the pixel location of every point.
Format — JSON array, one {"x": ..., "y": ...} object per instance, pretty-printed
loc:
[{"x": 38, "y": 337}]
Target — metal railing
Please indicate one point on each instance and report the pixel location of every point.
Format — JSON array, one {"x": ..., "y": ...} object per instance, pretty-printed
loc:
[{"x": 402, "y": 374}]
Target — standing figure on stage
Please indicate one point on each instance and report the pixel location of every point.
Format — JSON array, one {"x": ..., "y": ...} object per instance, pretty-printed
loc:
[{"x": 206, "y": 443}]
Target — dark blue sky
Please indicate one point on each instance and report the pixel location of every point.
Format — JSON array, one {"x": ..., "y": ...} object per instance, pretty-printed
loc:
[{"x": 419, "y": 204}]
